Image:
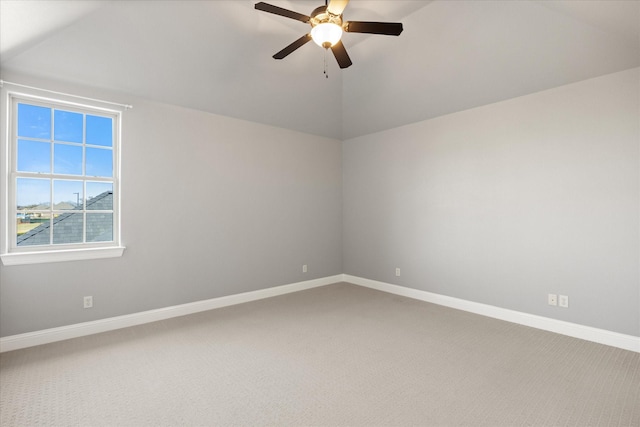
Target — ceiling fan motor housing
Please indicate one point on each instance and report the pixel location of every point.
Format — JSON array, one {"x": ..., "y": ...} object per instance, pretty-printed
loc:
[{"x": 321, "y": 15}]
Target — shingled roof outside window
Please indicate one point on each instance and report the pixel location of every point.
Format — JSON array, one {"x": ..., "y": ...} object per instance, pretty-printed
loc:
[{"x": 99, "y": 228}]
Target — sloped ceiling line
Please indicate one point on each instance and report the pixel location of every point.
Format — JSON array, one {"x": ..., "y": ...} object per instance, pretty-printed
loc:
[{"x": 453, "y": 55}]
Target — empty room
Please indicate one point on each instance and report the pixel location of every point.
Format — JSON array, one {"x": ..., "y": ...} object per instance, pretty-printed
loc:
[{"x": 327, "y": 213}]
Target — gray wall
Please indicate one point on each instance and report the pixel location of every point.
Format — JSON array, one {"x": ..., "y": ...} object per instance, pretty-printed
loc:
[
  {"x": 505, "y": 203},
  {"x": 211, "y": 206},
  {"x": 500, "y": 204}
]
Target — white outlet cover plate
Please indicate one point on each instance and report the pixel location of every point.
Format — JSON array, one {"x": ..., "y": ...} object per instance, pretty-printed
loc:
[{"x": 563, "y": 301}]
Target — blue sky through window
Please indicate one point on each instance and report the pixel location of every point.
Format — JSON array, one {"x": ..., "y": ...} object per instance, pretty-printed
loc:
[
  {"x": 68, "y": 126},
  {"x": 34, "y": 156},
  {"x": 33, "y": 192},
  {"x": 34, "y": 121},
  {"x": 67, "y": 159},
  {"x": 59, "y": 139},
  {"x": 99, "y": 131}
]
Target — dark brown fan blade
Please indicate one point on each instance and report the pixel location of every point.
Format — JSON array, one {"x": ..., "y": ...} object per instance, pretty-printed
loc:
[
  {"x": 265, "y": 7},
  {"x": 341, "y": 55},
  {"x": 293, "y": 46},
  {"x": 386, "y": 28}
]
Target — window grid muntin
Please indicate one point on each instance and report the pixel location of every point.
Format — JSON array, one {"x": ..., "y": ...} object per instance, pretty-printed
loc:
[{"x": 15, "y": 174}]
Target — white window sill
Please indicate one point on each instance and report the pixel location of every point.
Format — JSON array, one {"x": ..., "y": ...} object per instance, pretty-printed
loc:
[{"x": 21, "y": 258}]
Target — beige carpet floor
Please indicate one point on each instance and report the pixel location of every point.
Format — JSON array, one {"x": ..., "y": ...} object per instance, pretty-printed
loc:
[{"x": 336, "y": 355}]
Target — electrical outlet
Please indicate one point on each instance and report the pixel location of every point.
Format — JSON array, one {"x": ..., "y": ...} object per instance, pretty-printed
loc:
[
  {"x": 304, "y": 268},
  {"x": 552, "y": 299},
  {"x": 563, "y": 301},
  {"x": 88, "y": 302},
  {"x": 397, "y": 271}
]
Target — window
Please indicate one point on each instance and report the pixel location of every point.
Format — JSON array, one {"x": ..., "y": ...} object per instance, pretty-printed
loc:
[{"x": 61, "y": 182}]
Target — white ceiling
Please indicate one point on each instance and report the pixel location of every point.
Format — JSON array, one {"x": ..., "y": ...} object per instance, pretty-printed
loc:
[{"x": 216, "y": 55}]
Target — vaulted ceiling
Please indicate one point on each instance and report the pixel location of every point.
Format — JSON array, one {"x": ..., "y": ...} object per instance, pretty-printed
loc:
[{"x": 216, "y": 55}]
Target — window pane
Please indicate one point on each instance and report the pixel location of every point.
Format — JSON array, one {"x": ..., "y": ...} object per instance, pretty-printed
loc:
[
  {"x": 68, "y": 126},
  {"x": 67, "y": 159},
  {"x": 34, "y": 121},
  {"x": 33, "y": 193},
  {"x": 99, "y": 196},
  {"x": 33, "y": 229},
  {"x": 34, "y": 156},
  {"x": 67, "y": 195},
  {"x": 99, "y": 162},
  {"x": 99, "y": 227},
  {"x": 100, "y": 131},
  {"x": 67, "y": 228}
]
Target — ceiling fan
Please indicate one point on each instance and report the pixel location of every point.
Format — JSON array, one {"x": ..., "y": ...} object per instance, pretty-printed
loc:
[{"x": 327, "y": 26}]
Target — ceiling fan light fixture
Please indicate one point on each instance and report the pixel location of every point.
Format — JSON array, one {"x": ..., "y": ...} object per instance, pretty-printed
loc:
[
  {"x": 326, "y": 34},
  {"x": 327, "y": 26}
]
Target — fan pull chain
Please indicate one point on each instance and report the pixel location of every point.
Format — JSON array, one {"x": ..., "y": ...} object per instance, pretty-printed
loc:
[{"x": 326, "y": 74}]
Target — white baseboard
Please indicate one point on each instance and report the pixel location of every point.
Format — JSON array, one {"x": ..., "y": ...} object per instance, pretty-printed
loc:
[
  {"x": 601, "y": 336},
  {"x": 30, "y": 339}
]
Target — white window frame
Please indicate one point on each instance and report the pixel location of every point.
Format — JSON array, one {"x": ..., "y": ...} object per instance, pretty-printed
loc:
[{"x": 10, "y": 253}]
